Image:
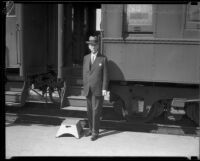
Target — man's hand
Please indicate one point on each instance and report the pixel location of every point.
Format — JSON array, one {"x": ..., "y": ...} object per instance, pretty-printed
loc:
[{"x": 104, "y": 92}]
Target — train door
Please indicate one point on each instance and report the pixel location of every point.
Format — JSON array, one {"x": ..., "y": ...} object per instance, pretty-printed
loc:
[
  {"x": 80, "y": 21},
  {"x": 27, "y": 41},
  {"x": 12, "y": 53},
  {"x": 83, "y": 24}
]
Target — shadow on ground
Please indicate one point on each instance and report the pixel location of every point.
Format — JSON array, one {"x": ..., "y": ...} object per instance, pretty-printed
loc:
[{"x": 51, "y": 115}]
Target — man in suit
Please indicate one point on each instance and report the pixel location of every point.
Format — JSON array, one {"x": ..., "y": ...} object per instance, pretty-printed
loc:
[{"x": 95, "y": 85}]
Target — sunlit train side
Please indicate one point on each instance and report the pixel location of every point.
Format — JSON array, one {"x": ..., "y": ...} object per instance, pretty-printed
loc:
[{"x": 153, "y": 51}]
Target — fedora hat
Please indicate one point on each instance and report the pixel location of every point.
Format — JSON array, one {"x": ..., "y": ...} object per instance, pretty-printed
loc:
[{"x": 92, "y": 40}]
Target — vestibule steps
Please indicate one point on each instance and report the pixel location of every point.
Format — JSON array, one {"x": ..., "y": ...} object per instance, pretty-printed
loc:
[
  {"x": 16, "y": 90},
  {"x": 75, "y": 98}
]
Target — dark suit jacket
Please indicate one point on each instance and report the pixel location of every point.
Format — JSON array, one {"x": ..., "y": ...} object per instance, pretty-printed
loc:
[{"x": 95, "y": 76}]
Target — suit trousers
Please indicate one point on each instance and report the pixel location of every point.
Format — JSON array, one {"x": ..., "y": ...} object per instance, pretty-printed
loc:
[{"x": 94, "y": 110}]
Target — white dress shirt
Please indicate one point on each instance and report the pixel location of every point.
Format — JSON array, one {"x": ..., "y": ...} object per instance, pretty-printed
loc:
[{"x": 93, "y": 57}]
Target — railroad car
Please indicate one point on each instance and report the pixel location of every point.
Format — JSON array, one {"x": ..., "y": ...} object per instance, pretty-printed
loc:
[{"x": 152, "y": 51}]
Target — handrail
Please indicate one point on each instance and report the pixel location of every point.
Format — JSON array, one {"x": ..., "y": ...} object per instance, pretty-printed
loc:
[{"x": 18, "y": 43}]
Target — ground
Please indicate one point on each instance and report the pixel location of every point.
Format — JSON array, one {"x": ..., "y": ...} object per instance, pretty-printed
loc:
[
  {"x": 34, "y": 135},
  {"x": 40, "y": 140}
]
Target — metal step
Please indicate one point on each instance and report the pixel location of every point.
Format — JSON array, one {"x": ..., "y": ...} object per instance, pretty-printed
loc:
[
  {"x": 75, "y": 108},
  {"x": 14, "y": 77},
  {"x": 13, "y": 96},
  {"x": 13, "y": 88},
  {"x": 13, "y": 104},
  {"x": 80, "y": 101},
  {"x": 76, "y": 90},
  {"x": 76, "y": 81},
  {"x": 16, "y": 86}
]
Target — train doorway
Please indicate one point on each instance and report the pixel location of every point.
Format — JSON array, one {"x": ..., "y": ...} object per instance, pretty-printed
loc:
[
  {"x": 12, "y": 48},
  {"x": 80, "y": 22}
]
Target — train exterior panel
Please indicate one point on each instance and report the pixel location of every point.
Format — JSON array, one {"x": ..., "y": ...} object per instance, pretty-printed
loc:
[{"x": 166, "y": 55}]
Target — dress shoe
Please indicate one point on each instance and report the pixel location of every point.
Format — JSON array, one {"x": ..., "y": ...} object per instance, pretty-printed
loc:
[
  {"x": 89, "y": 133},
  {"x": 94, "y": 137}
]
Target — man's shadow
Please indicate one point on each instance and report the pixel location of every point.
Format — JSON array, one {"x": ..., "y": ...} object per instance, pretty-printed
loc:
[{"x": 114, "y": 71}]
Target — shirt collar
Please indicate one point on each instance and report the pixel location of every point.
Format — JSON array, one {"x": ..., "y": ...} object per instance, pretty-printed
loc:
[{"x": 94, "y": 53}]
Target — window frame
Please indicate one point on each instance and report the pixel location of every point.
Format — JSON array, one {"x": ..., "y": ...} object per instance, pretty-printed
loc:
[
  {"x": 98, "y": 22},
  {"x": 146, "y": 30},
  {"x": 13, "y": 7},
  {"x": 191, "y": 24}
]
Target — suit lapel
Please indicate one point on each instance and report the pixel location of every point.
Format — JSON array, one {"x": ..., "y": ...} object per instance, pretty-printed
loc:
[
  {"x": 89, "y": 62},
  {"x": 94, "y": 65}
]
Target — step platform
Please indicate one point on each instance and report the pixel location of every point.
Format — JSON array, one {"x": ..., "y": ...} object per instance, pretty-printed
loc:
[{"x": 70, "y": 126}]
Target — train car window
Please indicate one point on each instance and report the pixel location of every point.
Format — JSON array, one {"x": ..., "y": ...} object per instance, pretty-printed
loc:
[
  {"x": 10, "y": 9},
  {"x": 98, "y": 19},
  {"x": 138, "y": 18},
  {"x": 193, "y": 16}
]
